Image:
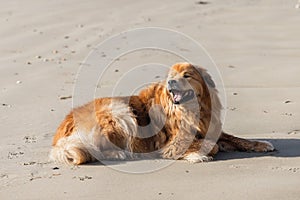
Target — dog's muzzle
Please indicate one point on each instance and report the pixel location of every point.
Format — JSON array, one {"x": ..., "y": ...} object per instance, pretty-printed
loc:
[{"x": 179, "y": 96}]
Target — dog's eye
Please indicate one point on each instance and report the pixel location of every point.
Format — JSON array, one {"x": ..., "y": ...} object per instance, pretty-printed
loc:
[{"x": 186, "y": 76}]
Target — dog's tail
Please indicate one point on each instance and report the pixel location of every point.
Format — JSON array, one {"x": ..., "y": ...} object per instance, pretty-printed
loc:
[
  {"x": 70, "y": 150},
  {"x": 68, "y": 146},
  {"x": 231, "y": 143}
]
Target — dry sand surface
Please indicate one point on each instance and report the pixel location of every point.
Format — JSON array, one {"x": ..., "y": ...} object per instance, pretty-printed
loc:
[{"x": 255, "y": 44}]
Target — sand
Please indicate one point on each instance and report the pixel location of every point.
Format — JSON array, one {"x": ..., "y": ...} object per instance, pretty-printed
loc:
[{"x": 254, "y": 43}]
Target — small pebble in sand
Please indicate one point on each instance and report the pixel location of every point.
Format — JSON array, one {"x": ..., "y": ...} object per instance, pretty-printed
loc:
[
  {"x": 54, "y": 51},
  {"x": 116, "y": 70},
  {"x": 52, "y": 110},
  {"x": 38, "y": 57},
  {"x": 34, "y": 178},
  {"x": 73, "y": 51},
  {"x": 29, "y": 63},
  {"x": 235, "y": 93},
  {"x": 288, "y": 101},
  {"x": 56, "y": 174},
  {"x": 202, "y": 2},
  {"x": 67, "y": 37},
  {"x": 65, "y": 97},
  {"x": 55, "y": 168},
  {"x": 29, "y": 163},
  {"x": 18, "y": 82},
  {"x": 6, "y": 105},
  {"x": 45, "y": 59},
  {"x": 80, "y": 25}
]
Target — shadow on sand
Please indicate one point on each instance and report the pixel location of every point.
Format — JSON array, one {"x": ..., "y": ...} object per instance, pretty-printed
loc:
[
  {"x": 287, "y": 148},
  {"x": 284, "y": 148}
]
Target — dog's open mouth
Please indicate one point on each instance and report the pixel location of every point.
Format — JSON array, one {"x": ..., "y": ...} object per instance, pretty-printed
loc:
[{"x": 181, "y": 96}]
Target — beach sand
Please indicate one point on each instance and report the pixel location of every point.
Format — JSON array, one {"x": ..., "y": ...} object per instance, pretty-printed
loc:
[{"x": 254, "y": 43}]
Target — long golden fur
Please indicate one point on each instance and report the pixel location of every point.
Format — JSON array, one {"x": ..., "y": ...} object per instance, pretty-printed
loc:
[{"x": 175, "y": 119}]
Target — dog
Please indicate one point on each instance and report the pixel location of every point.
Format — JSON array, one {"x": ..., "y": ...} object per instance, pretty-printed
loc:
[{"x": 178, "y": 118}]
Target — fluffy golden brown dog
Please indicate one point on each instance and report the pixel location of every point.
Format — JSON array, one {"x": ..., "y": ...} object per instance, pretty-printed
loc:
[{"x": 175, "y": 119}]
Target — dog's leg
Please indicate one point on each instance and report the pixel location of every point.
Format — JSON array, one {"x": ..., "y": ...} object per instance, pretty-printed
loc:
[
  {"x": 231, "y": 143},
  {"x": 201, "y": 151}
]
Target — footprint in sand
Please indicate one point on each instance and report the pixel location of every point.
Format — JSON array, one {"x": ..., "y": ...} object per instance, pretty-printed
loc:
[
  {"x": 16, "y": 154},
  {"x": 3, "y": 176},
  {"x": 30, "y": 139},
  {"x": 294, "y": 132}
]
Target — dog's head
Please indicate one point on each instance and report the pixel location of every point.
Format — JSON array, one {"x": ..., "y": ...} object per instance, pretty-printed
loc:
[{"x": 186, "y": 82}]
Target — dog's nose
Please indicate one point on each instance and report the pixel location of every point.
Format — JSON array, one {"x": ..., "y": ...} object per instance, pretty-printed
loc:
[{"x": 171, "y": 82}]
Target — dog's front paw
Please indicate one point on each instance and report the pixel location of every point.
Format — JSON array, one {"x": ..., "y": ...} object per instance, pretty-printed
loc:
[
  {"x": 263, "y": 146},
  {"x": 197, "y": 158}
]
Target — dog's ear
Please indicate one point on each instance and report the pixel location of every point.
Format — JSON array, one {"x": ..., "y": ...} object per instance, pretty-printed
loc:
[
  {"x": 206, "y": 77},
  {"x": 208, "y": 80}
]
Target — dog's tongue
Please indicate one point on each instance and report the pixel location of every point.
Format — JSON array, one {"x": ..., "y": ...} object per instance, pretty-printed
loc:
[{"x": 177, "y": 97}]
